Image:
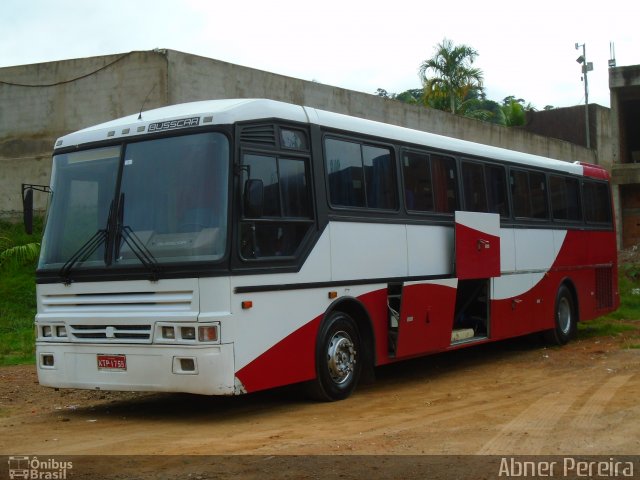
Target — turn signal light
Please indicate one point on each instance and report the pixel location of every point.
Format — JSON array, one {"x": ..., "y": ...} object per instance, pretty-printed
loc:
[{"x": 208, "y": 333}]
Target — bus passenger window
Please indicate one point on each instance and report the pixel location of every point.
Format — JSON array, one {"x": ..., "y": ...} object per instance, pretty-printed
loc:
[
  {"x": 537, "y": 185},
  {"x": 475, "y": 195},
  {"x": 597, "y": 202},
  {"x": 344, "y": 167},
  {"x": 565, "y": 198},
  {"x": 380, "y": 178},
  {"x": 497, "y": 190},
  {"x": 443, "y": 172},
  {"x": 418, "y": 191},
  {"x": 529, "y": 193},
  {"x": 360, "y": 175}
]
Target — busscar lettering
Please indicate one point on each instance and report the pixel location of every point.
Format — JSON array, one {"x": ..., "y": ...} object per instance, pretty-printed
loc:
[{"x": 171, "y": 124}]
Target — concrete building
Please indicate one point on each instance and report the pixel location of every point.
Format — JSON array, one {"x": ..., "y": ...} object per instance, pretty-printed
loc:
[
  {"x": 40, "y": 102},
  {"x": 624, "y": 85}
]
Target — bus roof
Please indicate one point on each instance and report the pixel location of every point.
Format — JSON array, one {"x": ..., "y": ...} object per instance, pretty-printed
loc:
[{"x": 228, "y": 111}]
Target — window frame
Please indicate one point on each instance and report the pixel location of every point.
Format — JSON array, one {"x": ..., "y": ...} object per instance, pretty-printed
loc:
[
  {"x": 610, "y": 221},
  {"x": 429, "y": 154},
  {"x": 578, "y": 182},
  {"x": 278, "y": 154},
  {"x": 528, "y": 172},
  {"x": 361, "y": 142}
]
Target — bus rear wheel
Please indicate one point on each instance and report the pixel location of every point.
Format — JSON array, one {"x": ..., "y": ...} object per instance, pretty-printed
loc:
[
  {"x": 338, "y": 358},
  {"x": 565, "y": 318}
]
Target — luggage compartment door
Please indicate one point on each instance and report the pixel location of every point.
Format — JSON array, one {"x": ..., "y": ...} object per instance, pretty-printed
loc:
[{"x": 477, "y": 237}]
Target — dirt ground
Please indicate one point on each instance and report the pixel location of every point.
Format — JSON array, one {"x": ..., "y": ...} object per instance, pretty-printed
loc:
[{"x": 511, "y": 398}]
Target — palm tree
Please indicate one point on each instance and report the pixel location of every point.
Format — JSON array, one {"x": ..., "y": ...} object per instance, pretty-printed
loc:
[
  {"x": 449, "y": 74},
  {"x": 515, "y": 111}
]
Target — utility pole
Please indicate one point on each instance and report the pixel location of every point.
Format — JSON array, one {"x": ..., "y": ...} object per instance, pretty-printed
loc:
[{"x": 586, "y": 67}]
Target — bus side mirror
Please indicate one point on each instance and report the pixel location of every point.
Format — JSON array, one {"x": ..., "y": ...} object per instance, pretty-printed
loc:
[
  {"x": 27, "y": 208},
  {"x": 253, "y": 198}
]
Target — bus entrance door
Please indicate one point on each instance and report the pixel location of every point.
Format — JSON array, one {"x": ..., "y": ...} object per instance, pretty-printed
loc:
[{"x": 477, "y": 257}]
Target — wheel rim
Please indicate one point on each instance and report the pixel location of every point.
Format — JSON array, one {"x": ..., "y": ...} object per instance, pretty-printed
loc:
[
  {"x": 341, "y": 357},
  {"x": 564, "y": 315}
]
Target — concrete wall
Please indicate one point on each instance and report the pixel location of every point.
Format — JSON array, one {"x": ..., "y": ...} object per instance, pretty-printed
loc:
[
  {"x": 198, "y": 78},
  {"x": 40, "y": 102},
  {"x": 624, "y": 86}
]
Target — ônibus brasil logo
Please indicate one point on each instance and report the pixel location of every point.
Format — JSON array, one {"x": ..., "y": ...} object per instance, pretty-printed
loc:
[{"x": 34, "y": 468}]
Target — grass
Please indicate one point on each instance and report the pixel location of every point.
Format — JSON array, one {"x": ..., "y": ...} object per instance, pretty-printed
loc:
[{"x": 17, "y": 297}]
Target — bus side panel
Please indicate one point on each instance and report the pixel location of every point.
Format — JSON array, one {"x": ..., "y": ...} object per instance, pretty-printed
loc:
[
  {"x": 597, "y": 285},
  {"x": 291, "y": 360},
  {"x": 523, "y": 303}
]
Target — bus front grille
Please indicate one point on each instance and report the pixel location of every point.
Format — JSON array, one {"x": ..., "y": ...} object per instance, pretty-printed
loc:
[
  {"x": 111, "y": 333},
  {"x": 163, "y": 301}
]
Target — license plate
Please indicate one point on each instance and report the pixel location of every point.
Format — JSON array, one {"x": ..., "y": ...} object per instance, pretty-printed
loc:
[{"x": 112, "y": 362}]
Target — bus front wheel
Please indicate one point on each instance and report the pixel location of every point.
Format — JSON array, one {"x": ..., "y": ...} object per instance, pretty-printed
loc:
[
  {"x": 338, "y": 358},
  {"x": 565, "y": 325}
]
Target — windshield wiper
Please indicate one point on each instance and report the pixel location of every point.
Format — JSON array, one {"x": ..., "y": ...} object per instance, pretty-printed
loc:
[
  {"x": 84, "y": 252},
  {"x": 87, "y": 248},
  {"x": 139, "y": 249},
  {"x": 137, "y": 246},
  {"x": 103, "y": 237}
]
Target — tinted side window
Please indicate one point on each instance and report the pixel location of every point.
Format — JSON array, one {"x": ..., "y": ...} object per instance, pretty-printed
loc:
[
  {"x": 475, "y": 195},
  {"x": 497, "y": 190},
  {"x": 597, "y": 202},
  {"x": 529, "y": 193},
  {"x": 538, "y": 190},
  {"x": 264, "y": 167},
  {"x": 418, "y": 190},
  {"x": 286, "y": 215},
  {"x": 520, "y": 194},
  {"x": 360, "y": 175},
  {"x": 565, "y": 198},
  {"x": 294, "y": 189},
  {"x": 443, "y": 172},
  {"x": 380, "y": 178},
  {"x": 344, "y": 167}
]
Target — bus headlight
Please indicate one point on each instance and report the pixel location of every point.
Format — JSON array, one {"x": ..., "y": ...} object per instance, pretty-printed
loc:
[
  {"x": 47, "y": 331},
  {"x": 61, "y": 331},
  {"x": 169, "y": 333},
  {"x": 188, "y": 333}
]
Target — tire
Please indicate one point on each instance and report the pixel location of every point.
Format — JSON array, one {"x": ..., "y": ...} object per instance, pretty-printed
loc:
[
  {"x": 565, "y": 318},
  {"x": 338, "y": 358}
]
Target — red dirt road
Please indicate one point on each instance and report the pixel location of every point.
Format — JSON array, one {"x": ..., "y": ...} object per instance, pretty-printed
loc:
[{"x": 511, "y": 398}]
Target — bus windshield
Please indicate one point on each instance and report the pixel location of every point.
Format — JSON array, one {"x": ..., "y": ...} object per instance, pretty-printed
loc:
[{"x": 165, "y": 198}]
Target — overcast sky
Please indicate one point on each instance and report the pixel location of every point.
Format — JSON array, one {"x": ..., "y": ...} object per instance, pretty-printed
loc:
[{"x": 526, "y": 49}]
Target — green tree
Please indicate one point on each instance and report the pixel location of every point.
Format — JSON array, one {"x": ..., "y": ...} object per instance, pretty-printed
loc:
[
  {"x": 515, "y": 111},
  {"x": 449, "y": 75},
  {"x": 412, "y": 96}
]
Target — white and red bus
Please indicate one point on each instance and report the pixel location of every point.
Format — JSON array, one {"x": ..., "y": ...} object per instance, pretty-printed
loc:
[{"x": 230, "y": 246}]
